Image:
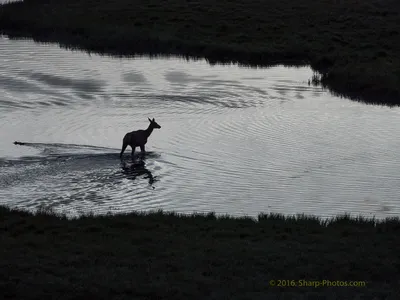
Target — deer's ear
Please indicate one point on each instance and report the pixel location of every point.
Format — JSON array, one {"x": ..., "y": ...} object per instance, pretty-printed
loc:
[
  {"x": 149, "y": 119},
  {"x": 153, "y": 120}
]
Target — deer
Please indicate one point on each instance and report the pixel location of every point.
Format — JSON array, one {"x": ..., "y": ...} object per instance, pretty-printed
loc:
[{"x": 138, "y": 138}]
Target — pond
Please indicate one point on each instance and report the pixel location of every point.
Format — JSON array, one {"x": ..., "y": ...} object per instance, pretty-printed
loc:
[{"x": 234, "y": 140}]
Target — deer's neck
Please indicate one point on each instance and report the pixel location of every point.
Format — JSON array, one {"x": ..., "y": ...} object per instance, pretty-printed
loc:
[{"x": 149, "y": 130}]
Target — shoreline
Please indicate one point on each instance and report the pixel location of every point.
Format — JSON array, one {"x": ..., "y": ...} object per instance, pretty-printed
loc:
[{"x": 353, "y": 59}]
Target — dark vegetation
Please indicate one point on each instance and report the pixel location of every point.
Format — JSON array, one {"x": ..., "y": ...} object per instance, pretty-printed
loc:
[
  {"x": 168, "y": 256},
  {"x": 354, "y": 44}
]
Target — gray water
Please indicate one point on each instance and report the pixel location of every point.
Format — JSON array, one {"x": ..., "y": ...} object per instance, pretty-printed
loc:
[{"x": 234, "y": 140}]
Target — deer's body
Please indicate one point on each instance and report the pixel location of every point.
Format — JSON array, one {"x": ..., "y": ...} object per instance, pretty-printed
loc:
[{"x": 138, "y": 138}]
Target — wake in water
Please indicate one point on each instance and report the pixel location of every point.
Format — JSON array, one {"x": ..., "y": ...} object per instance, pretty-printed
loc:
[
  {"x": 82, "y": 175},
  {"x": 61, "y": 146}
]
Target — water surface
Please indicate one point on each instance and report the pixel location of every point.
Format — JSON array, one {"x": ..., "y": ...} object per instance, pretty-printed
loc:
[{"x": 233, "y": 140}]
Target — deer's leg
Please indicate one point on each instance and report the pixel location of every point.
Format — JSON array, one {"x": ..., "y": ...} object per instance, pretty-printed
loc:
[
  {"x": 142, "y": 151},
  {"x": 133, "y": 150},
  {"x": 123, "y": 149}
]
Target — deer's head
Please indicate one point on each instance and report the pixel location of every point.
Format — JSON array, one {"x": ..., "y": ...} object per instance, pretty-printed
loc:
[{"x": 154, "y": 124}]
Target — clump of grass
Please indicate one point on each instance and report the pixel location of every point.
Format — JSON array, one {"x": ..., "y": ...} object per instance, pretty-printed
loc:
[
  {"x": 160, "y": 255},
  {"x": 353, "y": 44},
  {"x": 316, "y": 80}
]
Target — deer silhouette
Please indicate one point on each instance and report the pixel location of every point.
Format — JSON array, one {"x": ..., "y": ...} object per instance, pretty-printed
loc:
[{"x": 138, "y": 138}]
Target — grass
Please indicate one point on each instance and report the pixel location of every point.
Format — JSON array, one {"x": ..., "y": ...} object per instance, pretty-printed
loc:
[
  {"x": 354, "y": 44},
  {"x": 162, "y": 255}
]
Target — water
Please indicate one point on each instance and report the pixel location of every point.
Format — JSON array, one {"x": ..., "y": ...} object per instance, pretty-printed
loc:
[{"x": 233, "y": 140}]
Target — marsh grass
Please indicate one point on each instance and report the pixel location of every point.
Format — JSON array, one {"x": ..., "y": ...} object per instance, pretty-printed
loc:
[
  {"x": 158, "y": 255},
  {"x": 353, "y": 44}
]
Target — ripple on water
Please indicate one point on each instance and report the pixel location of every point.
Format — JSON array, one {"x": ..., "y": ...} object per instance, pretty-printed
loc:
[
  {"x": 134, "y": 77},
  {"x": 81, "y": 179}
]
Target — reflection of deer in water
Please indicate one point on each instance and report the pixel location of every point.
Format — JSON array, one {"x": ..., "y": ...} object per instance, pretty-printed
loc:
[
  {"x": 138, "y": 138},
  {"x": 137, "y": 169}
]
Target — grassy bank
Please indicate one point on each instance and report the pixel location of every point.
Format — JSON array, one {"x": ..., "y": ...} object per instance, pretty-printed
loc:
[
  {"x": 353, "y": 43},
  {"x": 167, "y": 256}
]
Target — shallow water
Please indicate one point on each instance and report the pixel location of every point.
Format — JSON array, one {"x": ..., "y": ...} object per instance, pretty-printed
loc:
[{"x": 233, "y": 140}]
